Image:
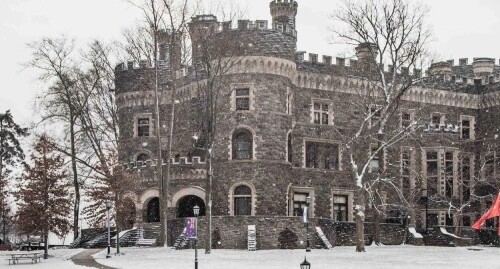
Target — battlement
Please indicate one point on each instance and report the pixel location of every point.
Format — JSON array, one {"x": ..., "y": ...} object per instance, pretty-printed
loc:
[
  {"x": 133, "y": 65},
  {"x": 154, "y": 163},
  {"x": 292, "y": 3}
]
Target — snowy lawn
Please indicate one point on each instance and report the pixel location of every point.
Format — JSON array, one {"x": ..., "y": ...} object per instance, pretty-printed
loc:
[
  {"x": 404, "y": 256},
  {"x": 58, "y": 259}
]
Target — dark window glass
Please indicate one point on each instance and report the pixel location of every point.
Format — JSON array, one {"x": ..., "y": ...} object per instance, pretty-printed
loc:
[
  {"x": 143, "y": 127},
  {"x": 299, "y": 202},
  {"x": 466, "y": 129},
  {"x": 242, "y": 99},
  {"x": 340, "y": 207},
  {"x": 242, "y": 145},
  {"x": 242, "y": 200},
  {"x": 322, "y": 155},
  {"x": 289, "y": 147}
]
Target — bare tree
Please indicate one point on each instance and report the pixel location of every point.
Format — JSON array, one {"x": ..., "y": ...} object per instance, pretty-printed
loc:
[
  {"x": 53, "y": 58},
  {"x": 387, "y": 33},
  {"x": 161, "y": 15}
]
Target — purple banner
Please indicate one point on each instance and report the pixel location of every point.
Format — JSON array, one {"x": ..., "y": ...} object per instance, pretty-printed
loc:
[{"x": 191, "y": 228}]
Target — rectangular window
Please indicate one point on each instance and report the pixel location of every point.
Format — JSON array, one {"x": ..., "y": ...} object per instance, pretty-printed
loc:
[
  {"x": 466, "y": 179},
  {"x": 242, "y": 99},
  {"x": 466, "y": 129},
  {"x": 448, "y": 164},
  {"x": 405, "y": 119},
  {"x": 406, "y": 172},
  {"x": 340, "y": 206},
  {"x": 432, "y": 173},
  {"x": 242, "y": 206},
  {"x": 321, "y": 113},
  {"x": 375, "y": 162},
  {"x": 143, "y": 127},
  {"x": 322, "y": 155},
  {"x": 375, "y": 114},
  {"x": 299, "y": 202}
]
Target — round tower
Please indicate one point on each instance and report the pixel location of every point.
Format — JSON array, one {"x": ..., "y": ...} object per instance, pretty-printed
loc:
[
  {"x": 201, "y": 28},
  {"x": 284, "y": 13}
]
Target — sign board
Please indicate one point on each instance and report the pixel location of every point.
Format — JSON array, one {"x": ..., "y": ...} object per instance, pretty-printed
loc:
[
  {"x": 304, "y": 215},
  {"x": 191, "y": 228}
]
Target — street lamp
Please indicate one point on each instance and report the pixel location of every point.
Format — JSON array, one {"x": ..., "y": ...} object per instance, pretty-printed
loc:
[
  {"x": 308, "y": 202},
  {"x": 305, "y": 264},
  {"x": 108, "y": 207},
  {"x": 196, "y": 211}
]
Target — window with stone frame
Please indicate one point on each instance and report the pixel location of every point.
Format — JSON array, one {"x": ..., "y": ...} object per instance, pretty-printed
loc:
[
  {"x": 466, "y": 178},
  {"x": 242, "y": 99},
  {"x": 432, "y": 172},
  {"x": 242, "y": 144},
  {"x": 340, "y": 207},
  {"x": 406, "y": 119},
  {"x": 143, "y": 126},
  {"x": 449, "y": 220},
  {"x": 406, "y": 168},
  {"x": 289, "y": 101},
  {"x": 375, "y": 114},
  {"x": 242, "y": 196},
  {"x": 298, "y": 202},
  {"x": 489, "y": 167},
  {"x": 142, "y": 158},
  {"x": 437, "y": 119},
  {"x": 467, "y": 127},
  {"x": 375, "y": 161},
  {"x": 448, "y": 173},
  {"x": 321, "y": 112},
  {"x": 322, "y": 155}
]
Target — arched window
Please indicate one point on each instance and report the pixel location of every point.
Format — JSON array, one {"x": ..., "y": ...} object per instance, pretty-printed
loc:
[
  {"x": 242, "y": 145},
  {"x": 242, "y": 196},
  {"x": 142, "y": 158}
]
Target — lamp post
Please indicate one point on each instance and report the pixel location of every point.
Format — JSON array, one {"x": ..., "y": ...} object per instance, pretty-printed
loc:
[
  {"x": 108, "y": 207},
  {"x": 305, "y": 264},
  {"x": 426, "y": 210},
  {"x": 308, "y": 202},
  {"x": 196, "y": 211}
]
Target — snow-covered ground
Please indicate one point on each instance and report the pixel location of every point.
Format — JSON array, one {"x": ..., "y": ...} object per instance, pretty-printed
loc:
[
  {"x": 59, "y": 259},
  {"x": 386, "y": 257}
]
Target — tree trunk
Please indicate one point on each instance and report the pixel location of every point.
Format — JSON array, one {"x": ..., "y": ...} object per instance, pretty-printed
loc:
[
  {"x": 46, "y": 247},
  {"x": 359, "y": 215},
  {"x": 376, "y": 225},
  {"x": 208, "y": 243},
  {"x": 76, "y": 184},
  {"x": 117, "y": 223}
]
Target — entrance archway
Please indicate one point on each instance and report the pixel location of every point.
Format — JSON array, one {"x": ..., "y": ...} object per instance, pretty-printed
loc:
[
  {"x": 153, "y": 211},
  {"x": 185, "y": 206}
]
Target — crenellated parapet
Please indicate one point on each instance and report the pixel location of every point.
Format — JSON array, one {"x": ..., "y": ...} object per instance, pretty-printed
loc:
[{"x": 196, "y": 160}]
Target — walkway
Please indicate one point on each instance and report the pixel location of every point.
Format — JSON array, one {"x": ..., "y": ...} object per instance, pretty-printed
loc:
[{"x": 85, "y": 258}]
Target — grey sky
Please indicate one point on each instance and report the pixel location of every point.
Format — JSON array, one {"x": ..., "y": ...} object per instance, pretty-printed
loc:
[{"x": 461, "y": 28}]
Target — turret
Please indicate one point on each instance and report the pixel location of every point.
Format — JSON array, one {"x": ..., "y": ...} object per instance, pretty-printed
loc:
[
  {"x": 169, "y": 45},
  {"x": 483, "y": 66},
  {"x": 283, "y": 13},
  {"x": 366, "y": 52},
  {"x": 200, "y": 28}
]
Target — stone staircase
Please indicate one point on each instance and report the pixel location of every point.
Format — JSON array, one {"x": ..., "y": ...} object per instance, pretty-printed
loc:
[
  {"x": 322, "y": 238},
  {"x": 181, "y": 242},
  {"x": 99, "y": 241},
  {"x": 127, "y": 238},
  {"x": 151, "y": 230}
]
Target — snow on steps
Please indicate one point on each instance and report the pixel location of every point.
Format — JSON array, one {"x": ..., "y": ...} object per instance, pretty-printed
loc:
[
  {"x": 99, "y": 241},
  {"x": 252, "y": 238},
  {"x": 181, "y": 241},
  {"x": 145, "y": 242},
  {"x": 128, "y": 238},
  {"x": 323, "y": 238}
]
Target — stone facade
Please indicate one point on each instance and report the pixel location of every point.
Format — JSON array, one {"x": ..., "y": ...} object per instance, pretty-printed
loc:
[{"x": 283, "y": 91}]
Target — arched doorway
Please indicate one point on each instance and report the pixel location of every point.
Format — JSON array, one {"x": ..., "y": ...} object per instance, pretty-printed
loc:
[
  {"x": 153, "y": 212},
  {"x": 186, "y": 204}
]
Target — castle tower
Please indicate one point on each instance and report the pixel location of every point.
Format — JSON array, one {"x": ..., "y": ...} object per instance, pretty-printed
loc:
[
  {"x": 201, "y": 28},
  {"x": 169, "y": 45},
  {"x": 283, "y": 13}
]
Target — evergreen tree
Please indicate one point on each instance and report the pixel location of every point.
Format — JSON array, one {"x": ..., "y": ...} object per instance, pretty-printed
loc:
[
  {"x": 11, "y": 153},
  {"x": 44, "y": 197}
]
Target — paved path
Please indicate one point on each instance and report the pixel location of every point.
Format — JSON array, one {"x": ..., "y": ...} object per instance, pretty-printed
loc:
[{"x": 85, "y": 258}]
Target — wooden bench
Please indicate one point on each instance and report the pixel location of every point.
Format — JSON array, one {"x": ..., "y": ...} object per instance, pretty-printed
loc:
[
  {"x": 144, "y": 242},
  {"x": 33, "y": 257}
]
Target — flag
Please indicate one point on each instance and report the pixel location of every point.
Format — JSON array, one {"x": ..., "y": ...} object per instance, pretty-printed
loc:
[
  {"x": 191, "y": 228},
  {"x": 494, "y": 211},
  {"x": 304, "y": 215}
]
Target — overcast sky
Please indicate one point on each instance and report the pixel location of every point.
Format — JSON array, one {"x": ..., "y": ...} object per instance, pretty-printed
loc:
[{"x": 462, "y": 28}]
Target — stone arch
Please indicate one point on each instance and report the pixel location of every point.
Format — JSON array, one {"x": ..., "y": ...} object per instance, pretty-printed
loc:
[
  {"x": 231, "y": 197},
  {"x": 195, "y": 191},
  {"x": 254, "y": 140},
  {"x": 146, "y": 196}
]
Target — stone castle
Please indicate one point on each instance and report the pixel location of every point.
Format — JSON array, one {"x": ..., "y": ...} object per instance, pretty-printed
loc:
[{"x": 279, "y": 136}]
